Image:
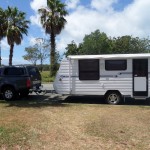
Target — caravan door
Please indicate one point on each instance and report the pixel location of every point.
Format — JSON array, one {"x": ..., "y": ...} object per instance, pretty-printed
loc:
[{"x": 140, "y": 77}]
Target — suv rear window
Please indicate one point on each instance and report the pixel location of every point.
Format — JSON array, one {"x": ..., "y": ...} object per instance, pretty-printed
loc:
[{"x": 14, "y": 71}]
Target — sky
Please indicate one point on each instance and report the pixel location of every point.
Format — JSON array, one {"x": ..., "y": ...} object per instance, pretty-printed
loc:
[{"x": 114, "y": 17}]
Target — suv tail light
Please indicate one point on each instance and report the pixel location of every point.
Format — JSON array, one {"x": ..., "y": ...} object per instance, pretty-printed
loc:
[{"x": 28, "y": 83}]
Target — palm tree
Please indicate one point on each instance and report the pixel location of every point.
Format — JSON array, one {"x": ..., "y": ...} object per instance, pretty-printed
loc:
[
  {"x": 16, "y": 26},
  {"x": 53, "y": 21},
  {"x": 2, "y": 28},
  {"x": 2, "y": 25}
]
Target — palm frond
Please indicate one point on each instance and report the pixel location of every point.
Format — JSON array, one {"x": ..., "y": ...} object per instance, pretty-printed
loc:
[
  {"x": 52, "y": 18},
  {"x": 16, "y": 25}
]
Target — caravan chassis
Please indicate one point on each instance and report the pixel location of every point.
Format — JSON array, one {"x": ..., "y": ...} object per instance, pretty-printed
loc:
[{"x": 130, "y": 79}]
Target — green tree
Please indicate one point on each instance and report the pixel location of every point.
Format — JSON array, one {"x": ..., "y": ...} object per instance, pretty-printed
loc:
[
  {"x": 128, "y": 44},
  {"x": 96, "y": 43},
  {"x": 2, "y": 23},
  {"x": 73, "y": 49},
  {"x": 32, "y": 54},
  {"x": 43, "y": 50},
  {"x": 53, "y": 21},
  {"x": 2, "y": 27},
  {"x": 15, "y": 25},
  {"x": 144, "y": 45},
  {"x": 99, "y": 43},
  {"x": 39, "y": 51}
]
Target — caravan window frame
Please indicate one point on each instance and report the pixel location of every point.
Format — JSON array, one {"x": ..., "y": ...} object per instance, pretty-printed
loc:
[
  {"x": 121, "y": 64},
  {"x": 89, "y": 69}
]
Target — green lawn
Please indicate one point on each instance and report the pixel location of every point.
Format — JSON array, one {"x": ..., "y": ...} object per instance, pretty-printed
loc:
[
  {"x": 40, "y": 122},
  {"x": 46, "y": 77}
]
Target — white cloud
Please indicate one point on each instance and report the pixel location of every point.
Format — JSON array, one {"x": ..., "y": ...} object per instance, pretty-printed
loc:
[
  {"x": 137, "y": 14},
  {"x": 35, "y": 20},
  {"x": 103, "y": 5},
  {"x": 36, "y": 4},
  {"x": 5, "y": 60},
  {"x": 31, "y": 40},
  {"x": 132, "y": 20},
  {"x": 17, "y": 61},
  {"x": 72, "y": 4},
  {"x": 4, "y": 44}
]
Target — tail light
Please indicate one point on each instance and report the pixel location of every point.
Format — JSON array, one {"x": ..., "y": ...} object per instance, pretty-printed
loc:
[{"x": 28, "y": 83}]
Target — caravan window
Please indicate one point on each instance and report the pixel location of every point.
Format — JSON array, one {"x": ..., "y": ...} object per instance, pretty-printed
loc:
[
  {"x": 89, "y": 69},
  {"x": 115, "y": 65}
]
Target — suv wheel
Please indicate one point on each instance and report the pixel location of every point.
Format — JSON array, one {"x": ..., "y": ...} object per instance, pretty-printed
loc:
[{"x": 8, "y": 93}]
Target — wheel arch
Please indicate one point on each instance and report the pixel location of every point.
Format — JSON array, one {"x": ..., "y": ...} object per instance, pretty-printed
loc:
[
  {"x": 6, "y": 86},
  {"x": 107, "y": 92}
]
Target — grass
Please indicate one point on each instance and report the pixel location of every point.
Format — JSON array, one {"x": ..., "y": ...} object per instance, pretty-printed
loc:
[
  {"x": 46, "y": 77},
  {"x": 44, "y": 124}
]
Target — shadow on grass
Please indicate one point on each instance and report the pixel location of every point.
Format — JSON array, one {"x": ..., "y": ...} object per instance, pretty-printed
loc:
[
  {"x": 55, "y": 100},
  {"x": 101, "y": 100},
  {"x": 85, "y": 99},
  {"x": 36, "y": 101}
]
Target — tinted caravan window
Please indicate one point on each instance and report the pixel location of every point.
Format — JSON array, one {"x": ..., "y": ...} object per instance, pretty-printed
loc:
[
  {"x": 89, "y": 69},
  {"x": 115, "y": 64}
]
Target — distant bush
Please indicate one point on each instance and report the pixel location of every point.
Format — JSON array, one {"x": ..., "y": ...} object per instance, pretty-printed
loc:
[
  {"x": 46, "y": 77},
  {"x": 46, "y": 67}
]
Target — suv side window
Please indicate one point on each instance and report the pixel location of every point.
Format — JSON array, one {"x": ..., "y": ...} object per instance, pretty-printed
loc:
[
  {"x": 33, "y": 71},
  {"x": 14, "y": 71}
]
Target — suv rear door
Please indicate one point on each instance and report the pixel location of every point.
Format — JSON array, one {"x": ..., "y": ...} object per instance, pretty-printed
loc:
[{"x": 35, "y": 75}]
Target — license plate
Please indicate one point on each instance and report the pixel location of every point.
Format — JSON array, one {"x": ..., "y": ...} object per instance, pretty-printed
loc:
[{"x": 36, "y": 82}]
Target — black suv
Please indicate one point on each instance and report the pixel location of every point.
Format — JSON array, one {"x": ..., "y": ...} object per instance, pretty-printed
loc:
[{"x": 18, "y": 80}]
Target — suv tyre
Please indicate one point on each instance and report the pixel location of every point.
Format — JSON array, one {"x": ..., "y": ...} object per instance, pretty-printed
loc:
[{"x": 9, "y": 93}]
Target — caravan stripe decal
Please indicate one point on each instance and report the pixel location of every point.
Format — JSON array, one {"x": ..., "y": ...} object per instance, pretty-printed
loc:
[{"x": 121, "y": 73}]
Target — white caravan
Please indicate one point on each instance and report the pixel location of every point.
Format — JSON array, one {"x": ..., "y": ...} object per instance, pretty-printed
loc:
[{"x": 115, "y": 76}]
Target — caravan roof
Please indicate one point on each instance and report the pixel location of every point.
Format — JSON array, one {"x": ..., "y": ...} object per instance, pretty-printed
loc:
[{"x": 110, "y": 56}]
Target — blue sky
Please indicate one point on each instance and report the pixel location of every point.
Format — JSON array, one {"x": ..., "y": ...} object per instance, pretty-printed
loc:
[{"x": 114, "y": 17}]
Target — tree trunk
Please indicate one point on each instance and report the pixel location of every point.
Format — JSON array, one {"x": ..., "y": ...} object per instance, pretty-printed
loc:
[
  {"x": 11, "y": 54},
  {"x": 52, "y": 56}
]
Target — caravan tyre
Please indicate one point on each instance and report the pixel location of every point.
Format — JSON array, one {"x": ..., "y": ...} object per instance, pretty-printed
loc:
[{"x": 113, "y": 98}]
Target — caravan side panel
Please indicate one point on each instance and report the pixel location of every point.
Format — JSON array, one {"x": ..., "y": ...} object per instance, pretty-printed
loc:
[
  {"x": 61, "y": 83},
  {"x": 109, "y": 80},
  {"x": 67, "y": 82}
]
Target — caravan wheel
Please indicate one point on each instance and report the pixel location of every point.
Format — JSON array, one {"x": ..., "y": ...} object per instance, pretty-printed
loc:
[{"x": 113, "y": 98}]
